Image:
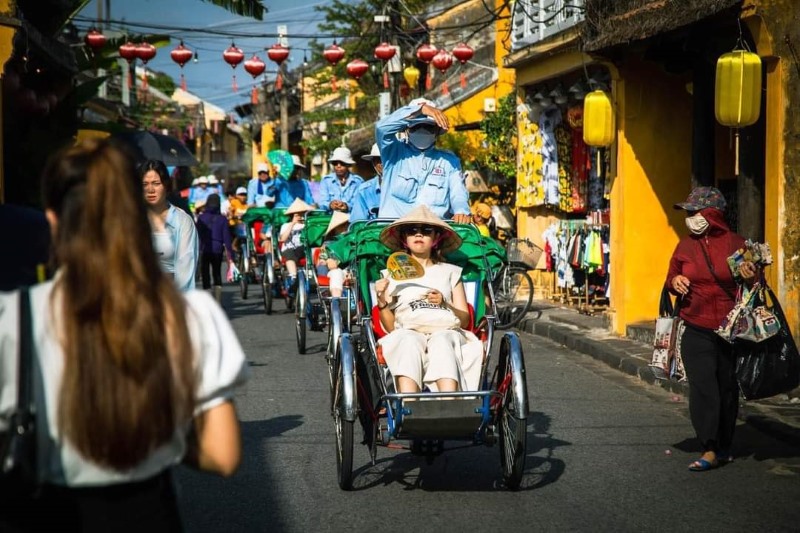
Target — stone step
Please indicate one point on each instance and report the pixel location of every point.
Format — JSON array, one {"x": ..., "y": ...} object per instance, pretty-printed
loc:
[{"x": 644, "y": 332}]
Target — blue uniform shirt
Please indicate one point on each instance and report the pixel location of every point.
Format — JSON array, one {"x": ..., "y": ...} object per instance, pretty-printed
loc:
[
  {"x": 197, "y": 194},
  {"x": 330, "y": 189},
  {"x": 294, "y": 188},
  {"x": 366, "y": 201},
  {"x": 412, "y": 177},
  {"x": 270, "y": 191}
]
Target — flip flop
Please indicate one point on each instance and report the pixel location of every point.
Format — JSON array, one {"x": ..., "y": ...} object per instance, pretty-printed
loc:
[{"x": 702, "y": 465}]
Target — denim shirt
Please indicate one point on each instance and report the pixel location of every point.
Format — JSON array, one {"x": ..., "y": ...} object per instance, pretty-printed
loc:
[
  {"x": 330, "y": 189},
  {"x": 366, "y": 201},
  {"x": 412, "y": 177},
  {"x": 184, "y": 241}
]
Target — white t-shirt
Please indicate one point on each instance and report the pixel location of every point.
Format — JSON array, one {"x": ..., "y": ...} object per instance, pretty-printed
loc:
[
  {"x": 220, "y": 361},
  {"x": 294, "y": 238},
  {"x": 411, "y": 307}
]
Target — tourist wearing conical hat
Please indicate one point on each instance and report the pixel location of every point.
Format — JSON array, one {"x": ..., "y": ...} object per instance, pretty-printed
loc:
[
  {"x": 290, "y": 233},
  {"x": 428, "y": 345},
  {"x": 328, "y": 263}
]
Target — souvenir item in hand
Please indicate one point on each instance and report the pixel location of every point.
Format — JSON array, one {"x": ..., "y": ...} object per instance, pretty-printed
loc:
[{"x": 402, "y": 266}]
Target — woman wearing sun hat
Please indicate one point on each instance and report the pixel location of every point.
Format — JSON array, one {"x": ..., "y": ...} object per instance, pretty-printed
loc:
[
  {"x": 699, "y": 274},
  {"x": 428, "y": 345},
  {"x": 328, "y": 263},
  {"x": 292, "y": 248}
]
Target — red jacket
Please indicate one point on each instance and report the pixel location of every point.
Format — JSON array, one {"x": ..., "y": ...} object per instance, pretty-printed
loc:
[{"x": 707, "y": 302}]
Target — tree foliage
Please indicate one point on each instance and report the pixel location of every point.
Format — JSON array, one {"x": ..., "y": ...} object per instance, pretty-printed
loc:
[{"x": 500, "y": 129}]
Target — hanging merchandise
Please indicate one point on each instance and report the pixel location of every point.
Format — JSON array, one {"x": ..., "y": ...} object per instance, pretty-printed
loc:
[
  {"x": 357, "y": 68},
  {"x": 385, "y": 52},
  {"x": 549, "y": 119},
  {"x": 233, "y": 56},
  {"x": 529, "y": 160},
  {"x": 181, "y": 55},
  {"x": 278, "y": 53},
  {"x": 145, "y": 51},
  {"x": 127, "y": 52},
  {"x": 333, "y": 54},
  {"x": 564, "y": 148},
  {"x": 443, "y": 60},
  {"x": 255, "y": 67},
  {"x": 463, "y": 53},
  {"x": 426, "y": 53},
  {"x": 580, "y": 160}
]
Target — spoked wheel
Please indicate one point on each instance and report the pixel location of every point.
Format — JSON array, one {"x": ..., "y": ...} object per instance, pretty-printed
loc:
[
  {"x": 334, "y": 334},
  {"x": 513, "y": 295},
  {"x": 344, "y": 407},
  {"x": 267, "y": 281},
  {"x": 300, "y": 312},
  {"x": 512, "y": 412},
  {"x": 244, "y": 273}
]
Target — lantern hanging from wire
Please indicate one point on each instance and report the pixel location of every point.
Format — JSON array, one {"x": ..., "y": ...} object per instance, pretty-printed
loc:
[
  {"x": 145, "y": 51},
  {"x": 278, "y": 53},
  {"x": 255, "y": 66},
  {"x": 233, "y": 56},
  {"x": 411, "y": 75},
  {"x": 333, "y": 54},
  {"x": 426, "y": 53},
  {"x": 385, "y": 52},
  {"x": 357, "y": 68},
  {"x": 95, "y": 40},
  {"x": 181, "y": 55},
  {"x": 463, "y": 53},
  {"x": 443, "y": 60},
  {"x": 127, "y": 52}
]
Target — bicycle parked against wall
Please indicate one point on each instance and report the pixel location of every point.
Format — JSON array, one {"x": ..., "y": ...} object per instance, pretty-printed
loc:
[{"x": 513, "y": 287}]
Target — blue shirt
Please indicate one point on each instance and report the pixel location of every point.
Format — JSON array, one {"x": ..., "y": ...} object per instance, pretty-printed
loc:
[
  {"x": 183, "y": 262},
  {"x": 330, "y": 189},
  {"x": 412, "y": 177},
  {"x": 291, "y": 189},
  {"x": 270, "y": 191},
  {"x": 366, "y": 201},
  {"x": 197, "y": 194}
]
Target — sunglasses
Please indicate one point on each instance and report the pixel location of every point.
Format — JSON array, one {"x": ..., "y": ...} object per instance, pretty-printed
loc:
[{"x": 419, "y": 230}]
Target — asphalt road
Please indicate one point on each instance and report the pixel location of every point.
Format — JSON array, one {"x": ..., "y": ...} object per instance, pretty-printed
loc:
[{"x": 605, "y": 453}]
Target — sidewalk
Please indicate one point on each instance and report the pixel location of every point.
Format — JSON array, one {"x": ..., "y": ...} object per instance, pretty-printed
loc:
[{"x": 778, "y": 416}]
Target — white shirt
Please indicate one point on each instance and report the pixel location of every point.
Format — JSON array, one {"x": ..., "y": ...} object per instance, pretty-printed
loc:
[{"x": 220, "y": 361}]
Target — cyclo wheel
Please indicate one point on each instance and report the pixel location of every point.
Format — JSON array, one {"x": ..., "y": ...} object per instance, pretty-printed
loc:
[
  {"x": 244, "y": 268},
  {"x": 513, "y": 297},
  {"x": 344, "y": 403},
  {"x": 300, "y": 312},
  {"x": 334, "y": 333},
  {"x": 512, "y": 412},
  {"x": 267, "y": 278}
]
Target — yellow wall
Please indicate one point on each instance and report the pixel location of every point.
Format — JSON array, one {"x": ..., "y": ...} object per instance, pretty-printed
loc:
[{"x": 8, "y": 9}]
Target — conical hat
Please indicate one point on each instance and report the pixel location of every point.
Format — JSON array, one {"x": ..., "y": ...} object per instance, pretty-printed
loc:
[
  {"x": 337, "y": 220},
  {"x": 392, "y": 237},
  {"x": 298, "y": 206}
]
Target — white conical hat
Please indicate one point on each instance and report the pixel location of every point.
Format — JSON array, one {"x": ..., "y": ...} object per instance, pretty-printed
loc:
[
  {"x": 337, "y": 220},
  {"x": 298, "y": 206}
]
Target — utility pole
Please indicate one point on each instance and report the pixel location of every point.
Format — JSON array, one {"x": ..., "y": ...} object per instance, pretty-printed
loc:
[{"x": 102, "y": 91}]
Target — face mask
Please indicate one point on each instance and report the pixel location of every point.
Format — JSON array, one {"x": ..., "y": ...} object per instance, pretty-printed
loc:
[
  {"x": 421, "y": 138},
  {"x": 697, "y": 224}
]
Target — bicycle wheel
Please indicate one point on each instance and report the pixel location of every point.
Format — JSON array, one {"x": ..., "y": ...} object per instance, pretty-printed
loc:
[
  {"x": 267, "y": 283},
  {"x": 244, "y": 268},
  {"x": 513, "y": 295},
  {"x": 512, "y": 413}
]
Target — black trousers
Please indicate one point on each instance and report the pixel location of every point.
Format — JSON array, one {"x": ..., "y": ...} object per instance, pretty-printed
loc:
[
  {"x": 713, "y": 391},
  {"x": 213, "y": 262}
]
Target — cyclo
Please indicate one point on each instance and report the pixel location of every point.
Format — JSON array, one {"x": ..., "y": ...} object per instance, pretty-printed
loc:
[
  {"x": 274, "y": 267},
  {"x": 363, "y": 387},
  {"x": 252, "y": 254}
]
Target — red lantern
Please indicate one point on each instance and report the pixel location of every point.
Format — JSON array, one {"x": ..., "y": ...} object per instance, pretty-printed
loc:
[
  {"x": 278, "y": 53},
  {"x": 426, "y": 53},
  {"x": 357, "y": 68},
  {"x": 443, "y": 60},
  {"x": 95, "y": 40},
  {"x": 463, "y": 53},
  {"x": 233, "y": 56},
  {"x": 181, "y": 55},
  {"x": 385, "y": 52},
  {"x": 333, "y": 54},
  {"x": 127, "y": 52},
  {"x": 255, "y": 66},
  {"x": 145, "y": 51}
]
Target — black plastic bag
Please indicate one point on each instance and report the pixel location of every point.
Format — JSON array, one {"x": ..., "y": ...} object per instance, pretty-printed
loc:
[{"x": 769, "y": 367}]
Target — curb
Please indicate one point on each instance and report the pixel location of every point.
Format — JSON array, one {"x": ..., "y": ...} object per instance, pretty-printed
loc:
[{"x": 632, "y": 358}]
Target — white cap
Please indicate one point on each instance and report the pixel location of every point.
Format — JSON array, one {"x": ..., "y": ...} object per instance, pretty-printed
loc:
[
  {"x": 241, "y": 190},
  {"x": 297, "y": 162},
  {"x": 375, "y": 152},
  {"x": 195, "y": 181},
  {"x": 202, "y": 179},
  {"x": 212, "y": 179},
  {"x": 262, "y": 167},
  {"x": 342, "y": 154}
]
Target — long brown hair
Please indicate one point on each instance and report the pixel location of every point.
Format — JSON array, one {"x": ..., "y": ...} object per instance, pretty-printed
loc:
[{"x": 129, "y": 378}]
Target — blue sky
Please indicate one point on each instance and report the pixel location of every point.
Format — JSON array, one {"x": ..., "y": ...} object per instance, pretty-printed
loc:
[{"x": 210, "y": 77}]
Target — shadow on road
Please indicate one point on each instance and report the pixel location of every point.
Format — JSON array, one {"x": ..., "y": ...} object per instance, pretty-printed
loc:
[{"x": 747, "y": 442}]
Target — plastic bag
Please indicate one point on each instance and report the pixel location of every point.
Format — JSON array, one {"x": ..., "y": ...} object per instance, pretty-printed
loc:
[{"x": 233, "y": 274}]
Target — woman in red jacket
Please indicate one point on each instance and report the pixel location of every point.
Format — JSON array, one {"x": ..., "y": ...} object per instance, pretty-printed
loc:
[{"x": 699, "y": 273}]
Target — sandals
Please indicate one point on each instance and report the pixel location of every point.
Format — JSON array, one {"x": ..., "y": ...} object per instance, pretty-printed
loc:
[{"x": 702, "y": 465}]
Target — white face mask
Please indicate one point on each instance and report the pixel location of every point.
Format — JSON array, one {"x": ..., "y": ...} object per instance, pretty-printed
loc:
[{"x": 697, "y": 224}]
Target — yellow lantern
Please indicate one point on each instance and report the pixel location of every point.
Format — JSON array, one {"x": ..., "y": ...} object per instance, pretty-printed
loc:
[
  {"x": 598, "y": 119},
  {"x": 738, "y": 89},
  {"x": 411, "y": 75}
]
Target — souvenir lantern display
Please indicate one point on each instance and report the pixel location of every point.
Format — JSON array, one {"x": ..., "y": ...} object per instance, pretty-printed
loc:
[
  {"x": 737, "y": 100},
  {"x": 411, "y": 75},
  {"x": 333, "y": 54},
  {"x": 443, "y": 60},
  {"x": 357, "y": 68},
  {"x": 233, "y": 56},
  {"x": 127, "y": 52},
  {"x": 463, "y": 53},
  {"x": 255, "y": 67},
  {"x": 426, "y": 53},
  {"x": 278, "y": 53},
  {"x": 145, "y": 51},
  {"x": 181, "y": 55},
  {"x": 598, "y": 119},
  {"x": 385, "y": 52}
]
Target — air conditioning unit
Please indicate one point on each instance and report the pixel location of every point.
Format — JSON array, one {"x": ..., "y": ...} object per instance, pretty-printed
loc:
[{"x": 489, "y": 105}]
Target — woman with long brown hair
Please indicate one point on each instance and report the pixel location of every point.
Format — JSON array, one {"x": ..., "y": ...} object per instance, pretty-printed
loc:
[{"x": 128, "y": 363}]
